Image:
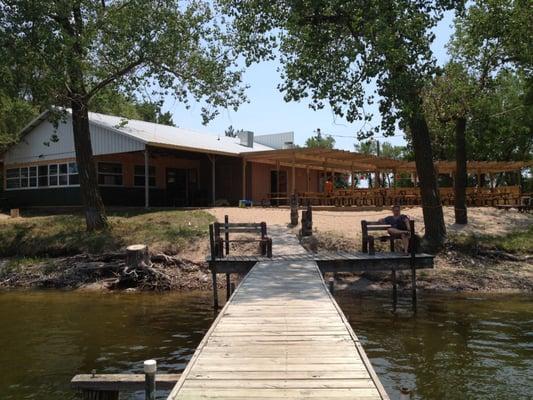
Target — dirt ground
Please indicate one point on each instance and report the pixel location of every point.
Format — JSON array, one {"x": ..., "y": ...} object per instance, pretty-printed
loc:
[
  {"x": 454, "y": 270},
  {"x": 482, "y": 220}
]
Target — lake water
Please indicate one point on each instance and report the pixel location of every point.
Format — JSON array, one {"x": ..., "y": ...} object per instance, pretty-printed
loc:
[{"x": 456, "y": 347}]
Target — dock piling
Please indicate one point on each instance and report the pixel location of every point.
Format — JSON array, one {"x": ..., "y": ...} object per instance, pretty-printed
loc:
[
  {"x": 150, "y": 368},
  {"x": 331, "y": 285}
]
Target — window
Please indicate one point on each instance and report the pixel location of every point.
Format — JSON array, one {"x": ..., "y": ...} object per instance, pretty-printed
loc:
[
  {"x": 110, "y": 174},
  {"x": 42, "y": 176},
  {"x": 13, "y": 178},
  {"x": 138, "y": 176},
  {"x": 73, "y": 177}
]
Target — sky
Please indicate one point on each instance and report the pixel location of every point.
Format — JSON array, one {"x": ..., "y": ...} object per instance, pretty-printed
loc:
[{"x": 267, "y": 112}]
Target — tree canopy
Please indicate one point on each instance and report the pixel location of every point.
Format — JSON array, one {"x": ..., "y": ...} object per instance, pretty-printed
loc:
[
  {"x": 63, "y": 53},
  {"x": 320, "y": 141}
]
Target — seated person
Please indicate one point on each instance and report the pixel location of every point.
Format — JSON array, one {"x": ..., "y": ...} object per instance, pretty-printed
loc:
[{"x": 399, "y": 226}]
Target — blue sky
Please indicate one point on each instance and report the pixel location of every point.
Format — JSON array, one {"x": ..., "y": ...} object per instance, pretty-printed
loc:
[{"x": 267, "y": 112}]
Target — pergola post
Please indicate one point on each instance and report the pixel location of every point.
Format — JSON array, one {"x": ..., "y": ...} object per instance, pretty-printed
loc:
[
  {"x": 293, "y": 176},
  {"x": 243, "y": 179},
  {"x": 277, "y": 179},
  {"x": 146, "y": 178},
  {"x": 308, "y": 179}
]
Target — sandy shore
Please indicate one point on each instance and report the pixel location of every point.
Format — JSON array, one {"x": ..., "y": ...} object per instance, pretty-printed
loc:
[{"x": 482, "y": 220}]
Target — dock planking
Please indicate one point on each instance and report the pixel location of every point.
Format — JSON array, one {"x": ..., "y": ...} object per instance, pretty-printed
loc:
[{"x": 281, "y": 335}]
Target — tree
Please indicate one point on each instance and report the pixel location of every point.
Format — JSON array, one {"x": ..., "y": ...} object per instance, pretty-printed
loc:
[
  {"x": 486, "y": 52},
  {"x": 15, "y": 113},
  {"x": 329, "y": 49},
  {"x": 319, "y": 141},
  {"x": 66, "y": 52},
  {"x": 231, "y": 132}
]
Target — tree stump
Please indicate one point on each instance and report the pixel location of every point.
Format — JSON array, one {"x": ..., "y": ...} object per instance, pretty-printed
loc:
[{"x": 137, "y": 256}]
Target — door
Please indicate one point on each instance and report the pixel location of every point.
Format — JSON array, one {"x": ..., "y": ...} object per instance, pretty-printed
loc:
[{"x": 177, "y": 187}]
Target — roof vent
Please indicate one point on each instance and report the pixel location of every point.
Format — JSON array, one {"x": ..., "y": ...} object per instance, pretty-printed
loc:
[{"x": 247, "y": 138}]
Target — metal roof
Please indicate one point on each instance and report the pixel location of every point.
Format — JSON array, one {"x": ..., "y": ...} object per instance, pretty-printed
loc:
[{"x": 158, "y": 135}]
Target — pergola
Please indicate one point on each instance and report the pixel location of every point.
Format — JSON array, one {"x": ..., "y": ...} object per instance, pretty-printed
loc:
[
  {"x": 331, "y": 161},
  {"x": 326, "y": 160}
]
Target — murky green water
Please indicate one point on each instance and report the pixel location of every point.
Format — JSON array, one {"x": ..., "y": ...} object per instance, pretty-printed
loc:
[{"x": 456, "y": 347}]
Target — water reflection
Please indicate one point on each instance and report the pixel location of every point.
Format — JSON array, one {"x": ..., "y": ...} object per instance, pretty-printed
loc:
[{"x": 455, "y": 347}]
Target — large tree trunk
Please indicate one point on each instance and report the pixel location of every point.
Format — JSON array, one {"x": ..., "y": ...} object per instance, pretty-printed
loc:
[
  {"x": 435, "y": 230},
  {"x": 94, "y": 207},
  {"x": 460, "y": 172}
]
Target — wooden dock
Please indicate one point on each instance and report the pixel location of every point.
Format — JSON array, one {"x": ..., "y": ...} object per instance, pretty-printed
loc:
[{"x": 281, "y": 335}]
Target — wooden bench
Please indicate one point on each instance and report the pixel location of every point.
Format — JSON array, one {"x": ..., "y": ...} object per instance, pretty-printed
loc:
[
  {"x": 219, "y": 237},
  {"x": 376, "y": 226}
]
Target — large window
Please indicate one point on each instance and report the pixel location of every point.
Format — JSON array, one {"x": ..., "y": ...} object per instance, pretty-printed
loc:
[
  {"x": 138, "y": 176},
  {"x": 41, "y": 176},
  {"x": 110, "y": 174}
]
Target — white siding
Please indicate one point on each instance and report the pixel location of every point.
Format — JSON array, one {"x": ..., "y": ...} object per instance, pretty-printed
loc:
[
  {"x": 37, "y": 145},
  {"x": 276, "y": 140}
]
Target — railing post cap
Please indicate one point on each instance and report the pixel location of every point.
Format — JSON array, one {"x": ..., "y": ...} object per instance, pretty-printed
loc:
[{"x": 150, "y": 366}]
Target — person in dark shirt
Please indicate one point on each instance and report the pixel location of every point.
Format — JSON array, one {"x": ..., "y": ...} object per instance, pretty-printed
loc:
[{"x": 399, "y": 226}]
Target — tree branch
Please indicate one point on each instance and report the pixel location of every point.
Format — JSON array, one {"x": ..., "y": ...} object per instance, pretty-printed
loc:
[{"x": 121, "y": 72}]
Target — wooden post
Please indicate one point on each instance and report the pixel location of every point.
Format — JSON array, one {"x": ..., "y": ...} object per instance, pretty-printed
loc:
[
  {"x": 14, "y": 213},
  {"x": 150, "y": 368},
  {"x": 277, "y": 182},
  {"x": 146, "y": 179},
  {"x": 232, "y": 287},
  {"x": 215, "y": 289},
  {"x": 308, "y": 180},
  {"x": 394, "y": 289},
  {"x": 226, "y": 233},
  {"x": 293, "y": 176},
  {"x": 137, "y": 256},
  {"x": 228, "y": 286},
  {"x": 294, "y": 209},
  {"x": 331, "y": 284},
  {"x": 244, "y": 179},
  {"x": 413, "y": 262}
]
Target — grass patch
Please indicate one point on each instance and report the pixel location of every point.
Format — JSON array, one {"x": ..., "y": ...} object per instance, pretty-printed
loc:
[
  {"x": 518, "y": 242},
  {"x": 65, "y": 234}
]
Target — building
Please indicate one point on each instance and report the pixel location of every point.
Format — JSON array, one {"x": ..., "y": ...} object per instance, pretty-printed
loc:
[{"x": 185, "y": 168}]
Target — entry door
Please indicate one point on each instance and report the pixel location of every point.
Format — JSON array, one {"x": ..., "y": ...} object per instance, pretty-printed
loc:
[{"x": 177, "y": 187}]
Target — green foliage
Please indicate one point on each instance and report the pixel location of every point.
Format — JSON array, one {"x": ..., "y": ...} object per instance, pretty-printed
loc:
[
  {"x": 15, "y": 113},
  {"x": 111, "y": 101},
  {"x": 231, "y": 132},
  {"x": 63, "y": 50},
  {"x": 330, "y": 49},
  {"x": 319, "y": 141},
  {"x": 488, "y": 83},
  {"x": 386, "y": 149}
]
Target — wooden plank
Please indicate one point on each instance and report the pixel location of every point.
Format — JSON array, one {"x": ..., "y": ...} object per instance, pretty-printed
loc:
[
  {"x": 120, "y": 382},
  {"x": 281, "y": 336}
]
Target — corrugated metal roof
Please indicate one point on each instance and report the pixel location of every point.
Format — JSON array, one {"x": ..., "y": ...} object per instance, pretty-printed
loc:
[{"x": 169, "y": 136}]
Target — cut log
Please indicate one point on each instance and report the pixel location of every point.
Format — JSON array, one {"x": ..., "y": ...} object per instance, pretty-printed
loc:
[{"x": 137, "y": 256}]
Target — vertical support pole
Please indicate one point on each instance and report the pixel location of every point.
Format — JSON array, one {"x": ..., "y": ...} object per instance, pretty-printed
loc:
[
  {"x": 308, "y": 182},
  {"x": 150, "y": 368},
  {"x": 146, "y": 179},
  {"x": 226, "y": 233},
  {"x": 244, "y": 179},
  {"x": 99, "y": 395},
  {"x": 331, "y": 284},
  {"x": 277, "y": 183},
  {"x": 215, "y": 289},
  {"x": 394, "y": 289},
  {"x": 228, "y": 286},
  {"x": 232, "y": 287},
  {"x": 413, "y": 262},
  {"x": 293, "y": 176}
]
